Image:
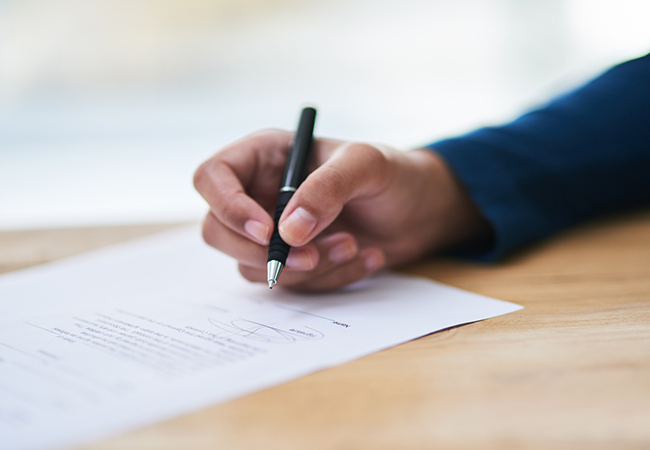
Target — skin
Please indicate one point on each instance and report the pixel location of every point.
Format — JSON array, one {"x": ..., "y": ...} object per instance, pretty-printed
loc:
[{"x": 362, "y": 208}]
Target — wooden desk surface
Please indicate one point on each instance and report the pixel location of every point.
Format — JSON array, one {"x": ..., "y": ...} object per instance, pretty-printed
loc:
[{"x": 572, "y": 370}]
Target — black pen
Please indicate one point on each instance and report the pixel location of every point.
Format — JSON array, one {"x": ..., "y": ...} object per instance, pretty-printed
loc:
[{"x": 295, "y": 171}]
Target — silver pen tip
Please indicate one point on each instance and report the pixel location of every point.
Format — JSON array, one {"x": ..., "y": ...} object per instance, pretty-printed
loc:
[{"x": 273, "y": 269}]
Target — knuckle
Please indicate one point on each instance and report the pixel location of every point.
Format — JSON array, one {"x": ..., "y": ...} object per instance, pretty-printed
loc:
[
  {"x": 207, "y": 172},
  {"x": 207, "y": 232},
  {"x": 225, "y": 210},
  {"x": 332, "y": 181},
  {"x": 369, "y": 163},
  {"x": 263, "y": 138},
  {"x": 369, "y": 153},
  {"x": 230, "y": 209},
  {"x": 374, "y": 159},
  {"x": 212, "y": 233},
  {"x": 200, "y": 175},
  {"x": 269, "y": 132}
]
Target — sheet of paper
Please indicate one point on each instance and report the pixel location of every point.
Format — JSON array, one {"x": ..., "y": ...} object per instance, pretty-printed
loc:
[{"x": 120, "y": 338}]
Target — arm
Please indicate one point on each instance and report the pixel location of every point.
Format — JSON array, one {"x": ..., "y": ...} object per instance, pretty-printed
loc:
[
  {"x": 583, "y": 155},
  {"x": 364, "y": 207}
]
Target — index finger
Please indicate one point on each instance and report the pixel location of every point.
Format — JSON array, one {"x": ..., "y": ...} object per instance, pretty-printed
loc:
[{"x": 241, "y": 176}]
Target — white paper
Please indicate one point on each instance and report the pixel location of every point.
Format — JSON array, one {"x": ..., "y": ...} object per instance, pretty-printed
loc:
[{"x": 142, "y": 332}]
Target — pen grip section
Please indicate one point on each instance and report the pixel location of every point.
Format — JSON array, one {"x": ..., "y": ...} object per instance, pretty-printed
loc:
[{"x": 278, "y": 249}]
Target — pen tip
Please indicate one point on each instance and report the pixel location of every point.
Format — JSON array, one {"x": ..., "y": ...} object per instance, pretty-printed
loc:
[{"x": 271, "y": 284}]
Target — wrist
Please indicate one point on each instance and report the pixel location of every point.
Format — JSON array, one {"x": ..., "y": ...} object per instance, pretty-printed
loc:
[{"x": 454, "y": 219}]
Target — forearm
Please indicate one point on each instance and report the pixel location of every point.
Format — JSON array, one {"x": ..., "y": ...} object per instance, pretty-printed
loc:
[{"x": 583, "y": 155}]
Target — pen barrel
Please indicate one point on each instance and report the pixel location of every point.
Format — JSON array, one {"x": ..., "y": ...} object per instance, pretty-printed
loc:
[
  {"x": 298, "y": 158},
  {"x": 278, "y": 249}
]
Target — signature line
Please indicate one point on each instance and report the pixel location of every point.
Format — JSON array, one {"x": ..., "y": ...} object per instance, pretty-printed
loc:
[{"x": 303, "y": 312}]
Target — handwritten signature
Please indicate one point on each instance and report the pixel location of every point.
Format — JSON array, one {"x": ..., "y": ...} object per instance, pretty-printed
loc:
[{"x": 266, "y": 333}]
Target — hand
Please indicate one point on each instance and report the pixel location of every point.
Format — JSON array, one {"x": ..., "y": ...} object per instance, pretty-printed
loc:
[{"x": 363, "y": 207}]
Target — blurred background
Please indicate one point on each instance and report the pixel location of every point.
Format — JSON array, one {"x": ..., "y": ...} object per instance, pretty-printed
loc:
[{"x": 108, "y": 106}]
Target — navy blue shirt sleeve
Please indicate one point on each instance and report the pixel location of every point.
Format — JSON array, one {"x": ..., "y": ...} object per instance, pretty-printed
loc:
[{"x": 583, "y": 155}]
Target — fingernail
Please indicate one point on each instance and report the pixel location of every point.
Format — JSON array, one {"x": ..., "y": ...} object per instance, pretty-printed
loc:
[
  {"x": 300, "y": 259},
  {"x": 374, "y": 260},
  {"x": 258, "y": 231},
  {"x": 298, "y": 225},
  {"x": 342, "y": 252}
]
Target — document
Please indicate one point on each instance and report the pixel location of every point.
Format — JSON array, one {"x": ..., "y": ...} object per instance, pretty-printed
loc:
[{"x": 117, "y": 339}]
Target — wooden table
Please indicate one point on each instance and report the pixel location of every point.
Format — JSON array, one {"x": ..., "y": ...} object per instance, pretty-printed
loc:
[{"x": 572, "y": 370}]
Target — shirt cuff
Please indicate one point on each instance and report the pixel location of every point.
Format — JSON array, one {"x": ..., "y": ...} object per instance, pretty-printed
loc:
[{"x": 490, "y": 181}]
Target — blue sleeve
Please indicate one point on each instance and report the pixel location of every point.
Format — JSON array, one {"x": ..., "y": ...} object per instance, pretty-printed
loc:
[{"x": 583, "y": 155}]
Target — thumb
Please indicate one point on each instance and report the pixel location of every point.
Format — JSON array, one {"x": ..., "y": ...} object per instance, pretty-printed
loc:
[{"x": 354, "y": 170}]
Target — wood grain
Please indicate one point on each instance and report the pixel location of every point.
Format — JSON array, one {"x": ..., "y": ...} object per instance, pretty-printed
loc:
[{"x": 572, "y": 370}]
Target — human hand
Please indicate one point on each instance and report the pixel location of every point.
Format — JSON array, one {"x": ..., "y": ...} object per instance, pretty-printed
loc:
[{"x": 363, "y": 207}]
